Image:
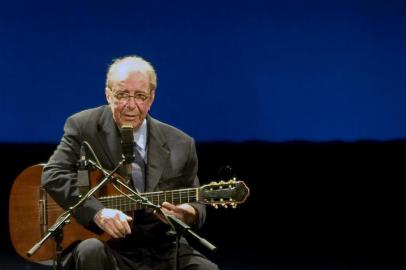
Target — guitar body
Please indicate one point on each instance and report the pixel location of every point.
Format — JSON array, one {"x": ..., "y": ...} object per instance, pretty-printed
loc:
[{"x": 32, "y": 211}]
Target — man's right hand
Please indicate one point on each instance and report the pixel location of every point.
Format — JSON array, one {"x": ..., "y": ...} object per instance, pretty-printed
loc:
[{"x": 114, "y": 222}]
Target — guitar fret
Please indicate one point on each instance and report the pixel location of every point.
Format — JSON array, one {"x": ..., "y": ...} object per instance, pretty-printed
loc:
[
  {"x": 132, "y": 205},
  {"x": 150, "y": 197},
  {"x": 123, "y": 202},
  {"x": 153, "y": 198},
  {"x": 172, "y": 197},
  {"x": 180, "y": 196}
]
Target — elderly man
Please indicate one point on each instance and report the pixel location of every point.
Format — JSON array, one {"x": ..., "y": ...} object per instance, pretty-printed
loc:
[{"x": 167, "y": 160}]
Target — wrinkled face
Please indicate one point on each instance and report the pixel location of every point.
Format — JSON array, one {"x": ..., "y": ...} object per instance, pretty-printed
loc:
[{"x": 131, "y": 99}]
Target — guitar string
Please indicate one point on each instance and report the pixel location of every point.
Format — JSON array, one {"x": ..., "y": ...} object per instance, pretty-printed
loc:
[
  {"x": 153, "y": 197},
  {"x": 124, "y": 207},
  {"x": 178, "y": 196},
  {"x": 120, "y": 200},
  {"x": 51, "y": 206}
]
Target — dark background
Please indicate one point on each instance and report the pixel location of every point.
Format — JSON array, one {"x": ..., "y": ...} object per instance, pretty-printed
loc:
[{"x": 312, "y": 205}]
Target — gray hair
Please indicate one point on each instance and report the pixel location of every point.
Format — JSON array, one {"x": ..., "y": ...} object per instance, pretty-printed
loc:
[{"x": 122, "y": 67}]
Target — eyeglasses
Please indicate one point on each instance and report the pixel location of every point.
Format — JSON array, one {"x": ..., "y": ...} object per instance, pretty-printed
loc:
[{"x": 124, "y": 97}]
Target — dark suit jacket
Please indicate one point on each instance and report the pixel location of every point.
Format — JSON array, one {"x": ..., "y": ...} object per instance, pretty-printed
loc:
[{"x": 171, "y": 164}]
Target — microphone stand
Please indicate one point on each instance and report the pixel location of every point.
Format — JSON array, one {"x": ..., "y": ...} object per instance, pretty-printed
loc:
[
  {"x": 178, "y": 227},
  {"x": 56, "y": 231}
]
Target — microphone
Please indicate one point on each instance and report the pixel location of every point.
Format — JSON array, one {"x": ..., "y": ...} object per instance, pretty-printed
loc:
[
  {"x": 83, "y": 172},
  {"x": 82, "y": 161},
  {"x": 127, "y": 147}
]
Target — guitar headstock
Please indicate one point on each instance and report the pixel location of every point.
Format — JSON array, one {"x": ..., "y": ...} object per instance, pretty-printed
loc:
[{"x": 232, "y": 192}]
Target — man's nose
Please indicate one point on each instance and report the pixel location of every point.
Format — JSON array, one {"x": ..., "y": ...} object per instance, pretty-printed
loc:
[{"x": 131, "y": 104}]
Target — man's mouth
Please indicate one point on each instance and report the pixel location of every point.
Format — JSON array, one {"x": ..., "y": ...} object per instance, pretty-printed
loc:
[{"x": 130, "y": 116}]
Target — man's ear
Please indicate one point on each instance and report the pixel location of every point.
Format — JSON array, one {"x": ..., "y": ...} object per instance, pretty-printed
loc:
[{"x": 109, "y": 96}]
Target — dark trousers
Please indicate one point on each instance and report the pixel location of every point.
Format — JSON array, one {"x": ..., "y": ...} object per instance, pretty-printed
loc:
[{"x": 93, "y": 254}]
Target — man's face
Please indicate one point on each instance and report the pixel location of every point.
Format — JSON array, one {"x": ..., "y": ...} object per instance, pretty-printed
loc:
[{"x": 131, "y": 99}]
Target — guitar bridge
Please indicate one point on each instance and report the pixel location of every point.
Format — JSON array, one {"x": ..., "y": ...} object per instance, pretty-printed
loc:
[{"x": 42, "y": 207}]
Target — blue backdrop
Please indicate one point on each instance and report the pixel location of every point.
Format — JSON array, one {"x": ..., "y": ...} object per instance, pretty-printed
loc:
[{"x": 227, "y": 70}]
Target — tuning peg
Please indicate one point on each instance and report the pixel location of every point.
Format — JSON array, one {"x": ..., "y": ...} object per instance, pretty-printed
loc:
[
  {"x": 234, "y": 205},
  {"x": 215, "y": 205},
  {"x": 224, "y": 205}
]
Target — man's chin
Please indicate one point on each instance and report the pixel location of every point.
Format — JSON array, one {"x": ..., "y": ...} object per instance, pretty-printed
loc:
[{"x": 135, "y": 123}]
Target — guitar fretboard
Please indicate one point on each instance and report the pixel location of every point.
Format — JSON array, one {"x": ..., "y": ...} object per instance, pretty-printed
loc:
[{"x": 124, "y": 203}]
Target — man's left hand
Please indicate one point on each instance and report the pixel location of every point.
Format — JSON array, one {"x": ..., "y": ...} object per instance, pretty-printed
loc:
[{"x": 184, "y": 212}]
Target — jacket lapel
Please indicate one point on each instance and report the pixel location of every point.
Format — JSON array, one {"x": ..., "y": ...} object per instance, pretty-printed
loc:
[
  {"x": 109, "y": 136},
  {"x": 158, "y": 154}
]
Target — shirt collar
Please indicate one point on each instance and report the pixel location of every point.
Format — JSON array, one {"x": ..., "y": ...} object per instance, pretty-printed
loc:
[{"x": 140, "y": 136}]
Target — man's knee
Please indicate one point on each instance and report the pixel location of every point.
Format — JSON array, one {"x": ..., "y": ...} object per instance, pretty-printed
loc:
[
  {"x": 90, "y": 247},
  {"x": 201, "y": 263},
  {"x": 208, "y": 265}
]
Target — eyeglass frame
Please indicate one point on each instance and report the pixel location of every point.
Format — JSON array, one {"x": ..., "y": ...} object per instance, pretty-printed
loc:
[{"x": 127, "y": 97}]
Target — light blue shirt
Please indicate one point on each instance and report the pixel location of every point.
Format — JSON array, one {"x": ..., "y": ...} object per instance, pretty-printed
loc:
[{"x": 140, "y": 140}]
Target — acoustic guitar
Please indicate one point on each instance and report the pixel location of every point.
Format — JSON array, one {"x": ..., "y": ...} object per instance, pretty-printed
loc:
[{"x": 32, "y": 210}]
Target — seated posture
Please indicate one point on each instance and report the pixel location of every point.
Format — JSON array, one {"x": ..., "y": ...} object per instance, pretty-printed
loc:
[{"x": 165, "y": 159}]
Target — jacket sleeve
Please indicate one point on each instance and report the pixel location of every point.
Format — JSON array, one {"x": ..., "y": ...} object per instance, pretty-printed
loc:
[
  {"x": 191, "y": 170},
  {"x": 59, "y": 175}
]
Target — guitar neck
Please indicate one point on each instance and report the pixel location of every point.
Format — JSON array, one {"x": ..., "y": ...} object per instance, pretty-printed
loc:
[{"x": 131, "y": 202}]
